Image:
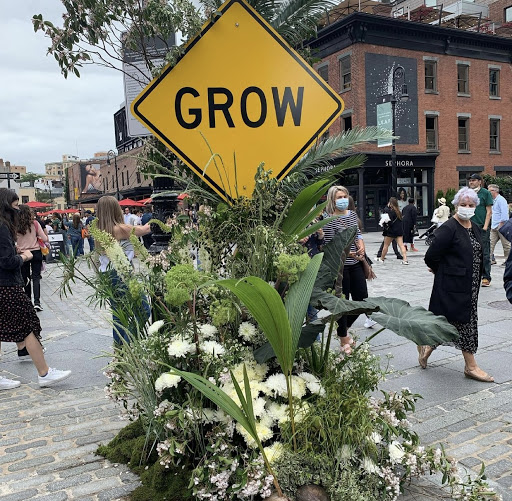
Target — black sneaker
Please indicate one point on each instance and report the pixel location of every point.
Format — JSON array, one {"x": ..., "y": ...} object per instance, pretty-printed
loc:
[
  {"x": 23, "y": 355},
  {"x": 38, "y": 307}
]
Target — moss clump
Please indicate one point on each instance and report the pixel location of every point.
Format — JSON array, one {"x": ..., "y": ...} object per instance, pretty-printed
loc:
[{"x": 158, "y": 483}]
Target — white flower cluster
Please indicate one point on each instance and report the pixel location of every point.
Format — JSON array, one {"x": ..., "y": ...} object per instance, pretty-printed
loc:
[
  {"x": 155, "y": 327},
  {"x": 247, "y": 331},
  {"x": 180, "y": 348},
  {"x": 167, "y": 380}
]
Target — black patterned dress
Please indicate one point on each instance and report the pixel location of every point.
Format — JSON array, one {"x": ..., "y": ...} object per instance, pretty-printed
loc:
[{"x": 468, "y": 332}]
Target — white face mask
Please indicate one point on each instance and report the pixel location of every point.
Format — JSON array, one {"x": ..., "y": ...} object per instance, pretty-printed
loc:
[{"x": 465, "y": 213}]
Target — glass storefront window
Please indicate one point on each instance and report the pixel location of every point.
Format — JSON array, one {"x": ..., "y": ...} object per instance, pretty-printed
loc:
[
  {"x": 348, "y": 178},
  {"x": 376, "y": 176}
]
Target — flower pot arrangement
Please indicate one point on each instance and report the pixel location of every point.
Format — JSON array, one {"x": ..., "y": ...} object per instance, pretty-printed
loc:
[{"x": 231, "y": 392}]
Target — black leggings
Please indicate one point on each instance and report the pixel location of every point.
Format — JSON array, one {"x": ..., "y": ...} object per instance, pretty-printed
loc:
[
  {"x": 354, "y": 287},
  {"x": 31, "y": 273}
]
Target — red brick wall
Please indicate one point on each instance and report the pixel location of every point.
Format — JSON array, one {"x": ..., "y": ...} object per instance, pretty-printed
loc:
[
  {"x": 447, "y": 103},
  {"x": 497, "y": 10}
]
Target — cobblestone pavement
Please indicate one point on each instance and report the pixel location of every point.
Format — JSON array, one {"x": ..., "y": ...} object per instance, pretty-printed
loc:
[{"x": 48, "y": 436}]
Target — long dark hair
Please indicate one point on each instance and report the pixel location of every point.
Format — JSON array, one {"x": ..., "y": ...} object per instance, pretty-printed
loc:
[
  {"x": 8, "y": 215},
  {"x": 393, "y": 202},
  {"x": 25, "y": 220}
]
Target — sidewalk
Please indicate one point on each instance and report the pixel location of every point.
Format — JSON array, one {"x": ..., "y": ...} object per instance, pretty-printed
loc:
[{"x": 48, "y": 436}]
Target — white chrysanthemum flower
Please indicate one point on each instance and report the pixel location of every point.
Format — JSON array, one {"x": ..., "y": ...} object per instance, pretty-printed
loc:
[
  {"x": 264, "y": 432},
  {"x": 207, "y": 331},
  {"x": 247, "y": 331},
  {"x": 167, "y": 380},
  {"x": 245, "y": 434},
  {"x": 276, "y": 385},
  {"x": 279, "y": 412},
  {"x": 370, "y": 466},
  {"x": 222, "y": 417},
  {"x": 180, "y": 348},
  {"x": 267, "y": 420},
  {"x": 375, "y": 438},
  {"x": 155, "y": 327},
  {"x": 274, "y": 452},
  {"x": 258, "y": 406},
  {"x": 313, "y": 383},
  {"x": 254, "y": 370},
  {"x": 230, "y": 391},
  {"x": 396, "y": 452},
  {"x": 212, "y": 348},
  {"x": 298, "y": 387}
]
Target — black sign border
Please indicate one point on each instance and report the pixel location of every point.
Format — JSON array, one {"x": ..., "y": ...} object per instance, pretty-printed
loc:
[{"x": 287, "y": 48}]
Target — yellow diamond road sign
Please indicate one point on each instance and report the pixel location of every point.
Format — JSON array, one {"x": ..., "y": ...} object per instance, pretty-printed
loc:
[{"x": 240, "y": 96}]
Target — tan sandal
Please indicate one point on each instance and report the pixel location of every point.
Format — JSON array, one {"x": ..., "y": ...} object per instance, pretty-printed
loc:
[{"x": 473, "y": 375}]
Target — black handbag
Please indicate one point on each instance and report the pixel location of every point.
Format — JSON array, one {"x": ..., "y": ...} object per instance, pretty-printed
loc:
[{"x": 506, "y": 230}]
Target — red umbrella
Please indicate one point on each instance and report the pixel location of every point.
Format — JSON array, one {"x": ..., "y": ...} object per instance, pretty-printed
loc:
[
  {"x": 128, "y": 202},
  {"x": 145, "y": 201},
  {"x": 69, "y": 211},
  {"x": 182, "y": 196},
  {"x": 37, "y": 205}
]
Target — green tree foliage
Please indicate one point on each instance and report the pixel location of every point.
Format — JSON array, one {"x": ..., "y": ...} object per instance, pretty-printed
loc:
[{"x": 29, "y": 177}]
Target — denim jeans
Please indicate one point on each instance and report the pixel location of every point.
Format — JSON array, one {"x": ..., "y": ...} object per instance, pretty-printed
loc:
[{"x": 140, "y": 312}]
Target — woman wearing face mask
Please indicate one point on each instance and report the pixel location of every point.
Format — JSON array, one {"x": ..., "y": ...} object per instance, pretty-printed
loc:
[
  {"x": 455, "y": 258},
  {"x": 354, "y": 281}
]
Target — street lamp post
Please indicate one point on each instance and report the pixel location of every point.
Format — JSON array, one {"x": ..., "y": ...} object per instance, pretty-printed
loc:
[
  {"x": 113, "y": 154},
  {"x": 398, "y": 75}
]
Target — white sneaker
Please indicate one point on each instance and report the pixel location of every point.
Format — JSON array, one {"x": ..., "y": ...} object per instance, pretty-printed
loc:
[
  {"x": 8, "y": 384},
  {"x": 369, "y": 323},
  {"x": 405, "y": 262},
  {"x": 379, "y": 260},
  {"x": 53, "y": 376}
]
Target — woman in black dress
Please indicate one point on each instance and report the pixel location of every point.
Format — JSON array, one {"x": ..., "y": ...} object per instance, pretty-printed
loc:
[
  {"x": 18, "y": 319},
  {"x": 394, "y": 230},
  {"x": 455, "y": 257},
  {"x": 409, "y": 219}
]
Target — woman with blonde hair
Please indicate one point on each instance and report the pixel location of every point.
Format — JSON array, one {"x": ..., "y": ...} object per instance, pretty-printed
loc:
[
  {"x": 394, "y": 230},
  {"x": 354, "y": 281},
  {"x": 110, "y": 219}
]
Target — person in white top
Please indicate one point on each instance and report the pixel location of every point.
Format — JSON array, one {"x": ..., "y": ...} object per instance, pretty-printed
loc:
[
  {"x": 499, "y": 217},
  {"x": 442, "y": 212}
]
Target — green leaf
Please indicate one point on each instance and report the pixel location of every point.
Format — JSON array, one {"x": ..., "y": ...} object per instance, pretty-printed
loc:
[
  {"x": 413, "y": 322},
  {"x": 334, "y": 256},
  {"x": 340, "y": 306},
  {"x": 302, "y": 206},
  {"x": 219, "y": 398},
  {"x": 267, "y": 308},
  {"x": 309, "y": 230},
  {"x": 298, "y": 298}
]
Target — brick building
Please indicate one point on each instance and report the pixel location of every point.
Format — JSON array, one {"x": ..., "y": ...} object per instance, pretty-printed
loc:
[{"x": 455, "y": 122}]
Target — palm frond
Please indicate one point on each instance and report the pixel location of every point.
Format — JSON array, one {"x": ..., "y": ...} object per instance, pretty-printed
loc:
[
  {"x": 295, "y": 12},
  {"x": 322, "y": 153}
]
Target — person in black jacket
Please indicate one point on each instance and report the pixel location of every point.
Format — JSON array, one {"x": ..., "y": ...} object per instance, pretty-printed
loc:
[
  {"x": 18, "y": 318},
  {"x": 455, "y": 257},
  {"x": 394, "y": 230},
  {"x": 409, "y": 218}
]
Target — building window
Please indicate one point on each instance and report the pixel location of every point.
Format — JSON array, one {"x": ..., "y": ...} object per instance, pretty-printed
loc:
[
  {"x": 346, "y": 123},
  {"x": 106, "y": 184},
  {"x": 24, "y": 199},
  {"x": 138, "y": 177},
  {"x": 323, "y": 71},
  {"x": 431, "y": 127},
  {"x": 430, "y": 76},
  {"x": 464, "y": 177},
  {"x": 463, "y": 79},
  {"x": 494, "y": 82},
  {"x": 464, "y": 134},
  {"x": 345, "y": 74},
  {"x": 508, "y": 14},
  {"x": 494, "y": 134}
]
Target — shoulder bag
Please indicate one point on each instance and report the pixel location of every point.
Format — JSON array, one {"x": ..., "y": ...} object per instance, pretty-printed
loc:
[{"x": 369, "y": 274}]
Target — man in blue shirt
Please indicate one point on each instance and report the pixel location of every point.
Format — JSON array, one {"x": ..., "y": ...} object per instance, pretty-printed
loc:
[{"x": 499, "y": 217}]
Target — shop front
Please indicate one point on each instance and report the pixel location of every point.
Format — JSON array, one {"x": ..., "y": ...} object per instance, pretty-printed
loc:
[{"x": 370, "y": 186}]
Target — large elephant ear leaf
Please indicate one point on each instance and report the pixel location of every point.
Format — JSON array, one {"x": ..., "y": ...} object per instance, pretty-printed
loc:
[
  {"x": 335, "y": 253},
  {"x": 412, "y": 322}
]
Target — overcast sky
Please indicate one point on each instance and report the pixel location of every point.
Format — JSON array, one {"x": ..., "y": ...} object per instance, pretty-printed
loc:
[{"x": 43, "y": 115}]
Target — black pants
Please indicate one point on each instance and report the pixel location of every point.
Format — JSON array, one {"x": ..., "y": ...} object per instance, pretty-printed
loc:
[
  {"x": 31, "y": 273},
  {"x": 395, "y": 249},
  {"x": 353, "y": 287}
]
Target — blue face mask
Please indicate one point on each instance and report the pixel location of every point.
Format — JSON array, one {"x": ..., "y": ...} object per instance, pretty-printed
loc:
[{"x": 342, "y": 203}]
